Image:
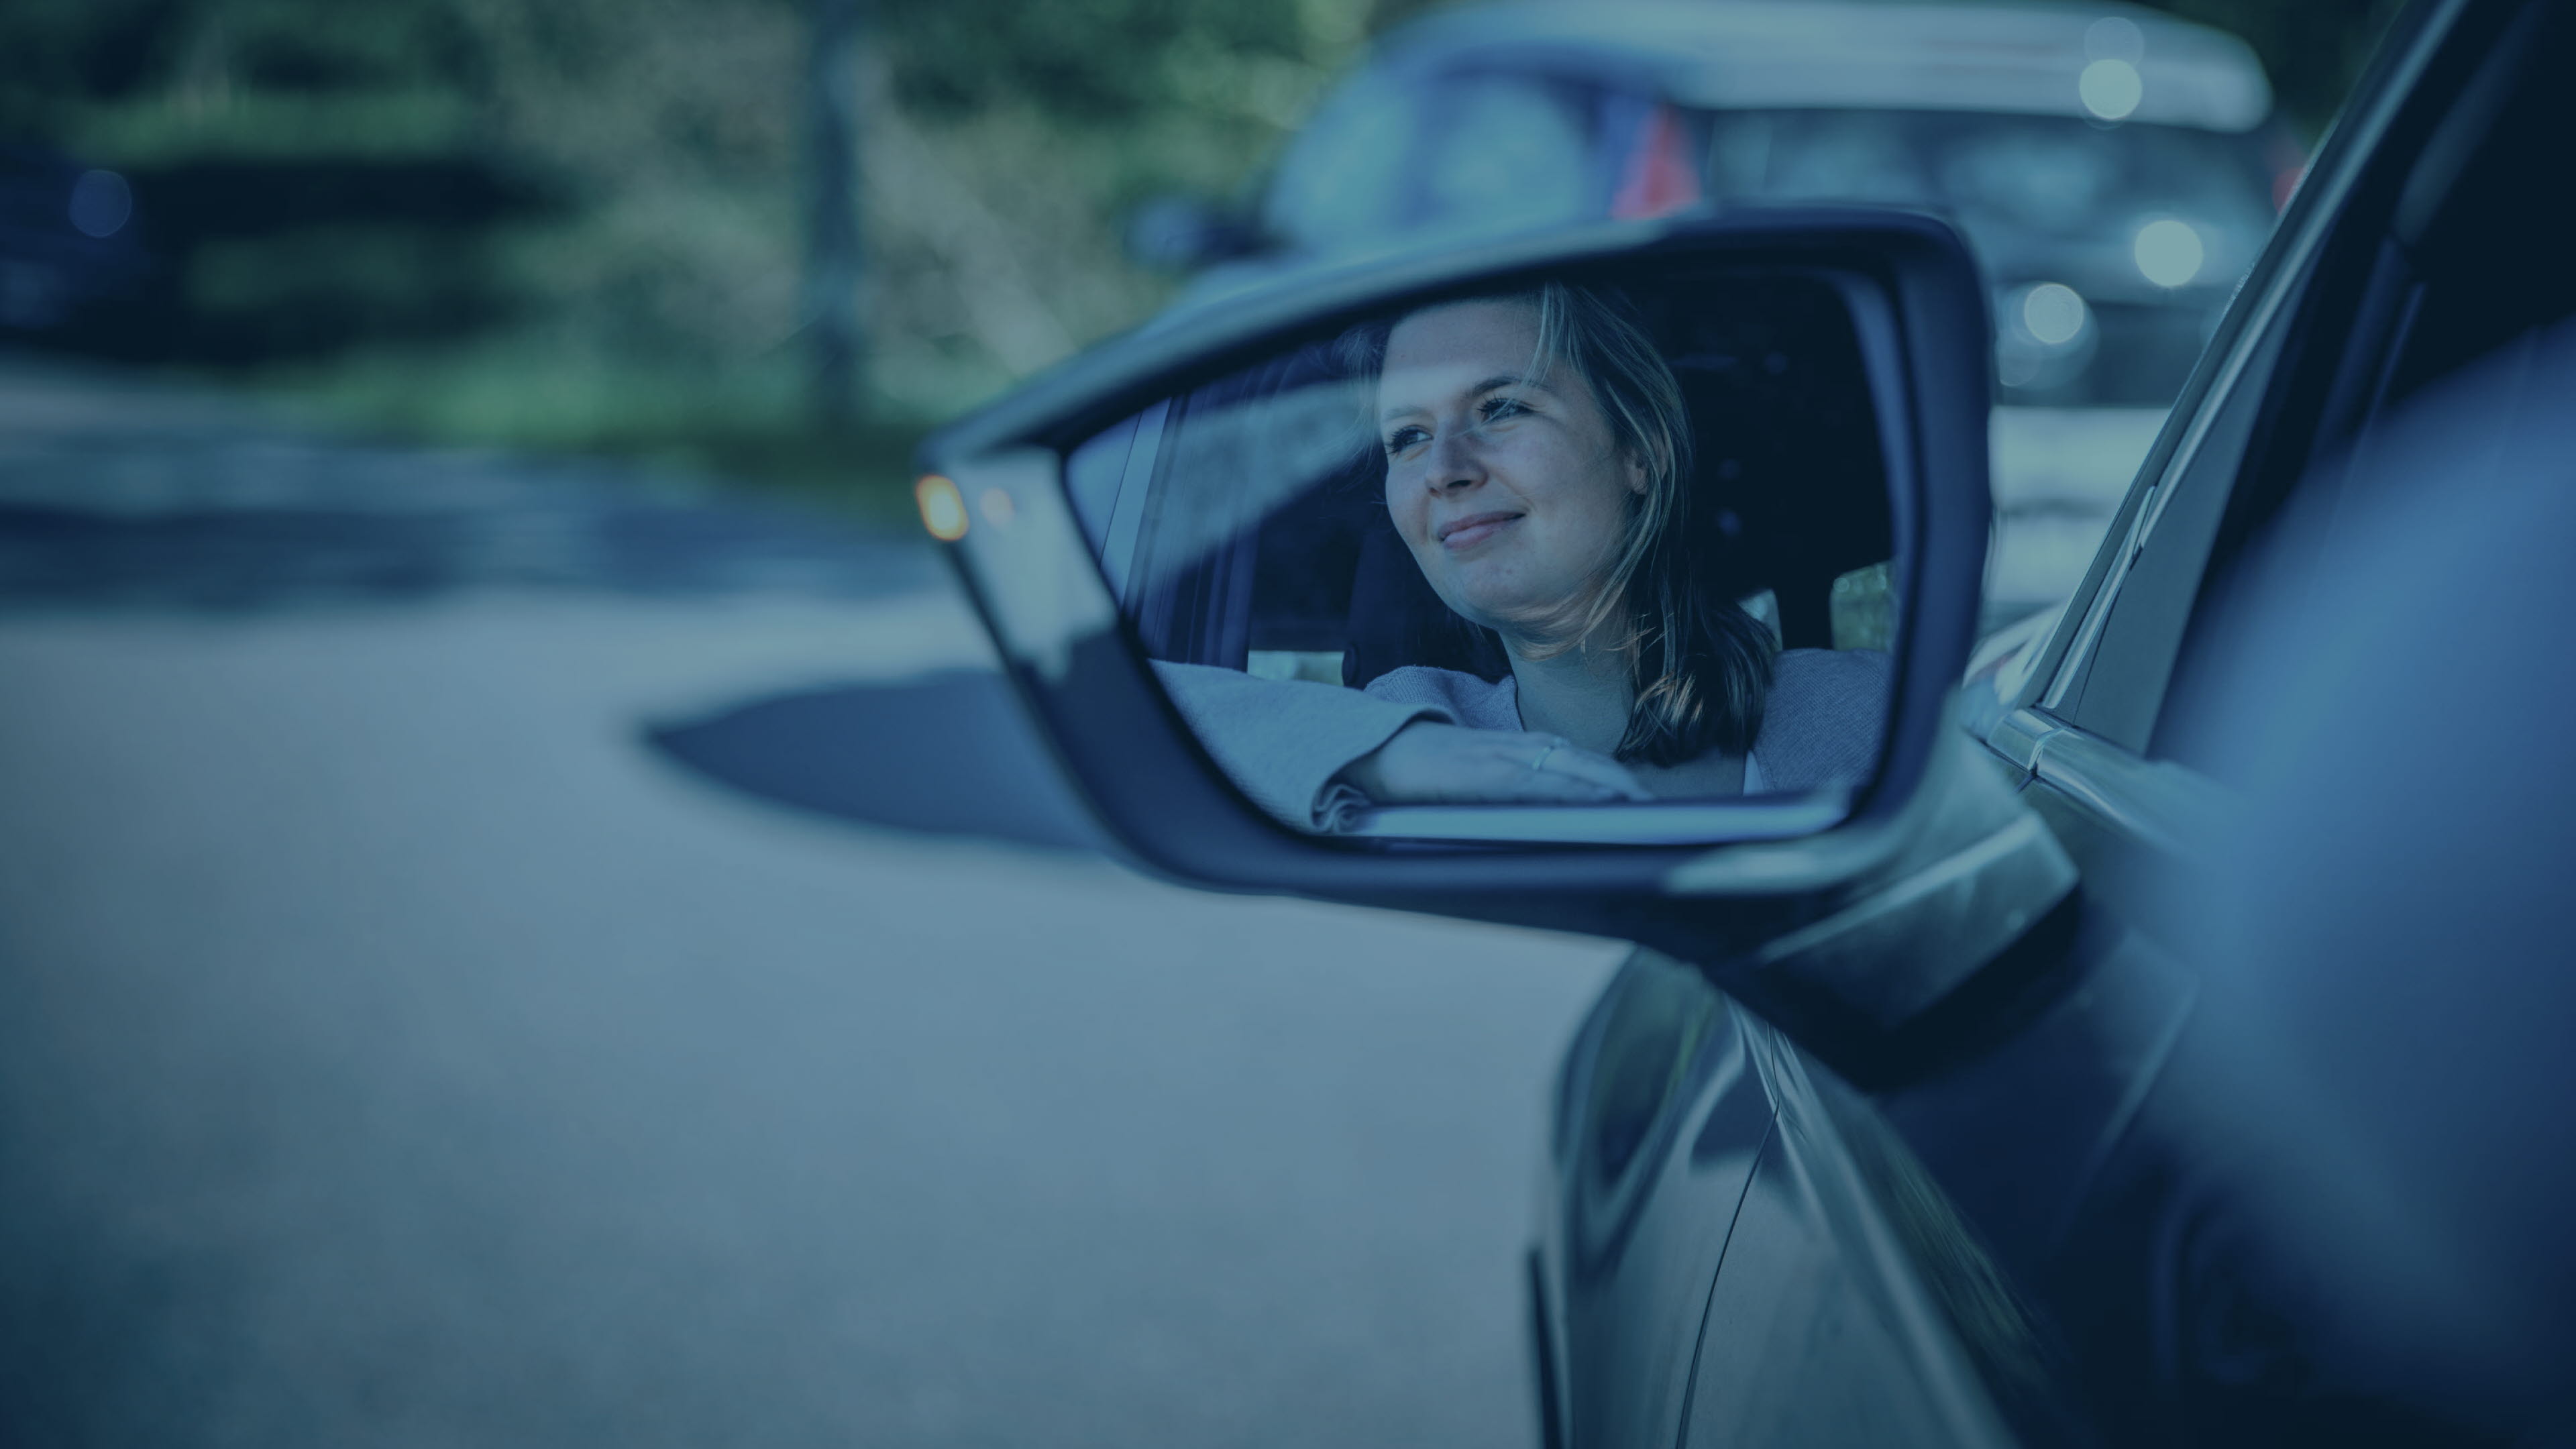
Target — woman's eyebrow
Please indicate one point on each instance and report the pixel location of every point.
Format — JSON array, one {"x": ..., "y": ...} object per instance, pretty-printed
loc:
[{"x": 1498, "y": 380}]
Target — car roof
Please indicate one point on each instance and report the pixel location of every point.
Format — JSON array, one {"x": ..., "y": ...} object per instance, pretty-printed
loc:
[{"x": 1996, "y": 56}]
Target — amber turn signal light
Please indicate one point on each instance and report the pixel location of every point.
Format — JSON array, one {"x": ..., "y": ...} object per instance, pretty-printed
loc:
[{"x": 943, "y": 508}]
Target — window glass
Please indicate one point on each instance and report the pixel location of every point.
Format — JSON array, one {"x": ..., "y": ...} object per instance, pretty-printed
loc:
[
  {"x": 1505, "y": 152},
  {"x": 1459, "y": 155},
  {"x": 2111, "y": 249},
  {"x": 2479, "y": 283},
  {"x": 1339, "y": 186},
  {"x": 1425, "y": 517}
]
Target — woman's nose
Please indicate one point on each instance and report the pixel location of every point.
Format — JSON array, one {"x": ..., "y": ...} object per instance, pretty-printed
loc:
[{"x": 1454, "y": 461}]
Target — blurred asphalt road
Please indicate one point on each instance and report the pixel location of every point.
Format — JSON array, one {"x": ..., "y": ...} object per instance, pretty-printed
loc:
[{"x": 422, "y": 1022}]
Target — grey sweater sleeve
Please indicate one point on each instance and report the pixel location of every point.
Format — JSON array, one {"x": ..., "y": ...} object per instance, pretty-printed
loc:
[
  {"x": 1283, "y": 740},
  {"x": 1824, "y": 718}
]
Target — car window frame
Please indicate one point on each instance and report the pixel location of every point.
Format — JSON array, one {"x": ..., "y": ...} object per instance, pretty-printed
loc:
[
  {"x": 2338, "y": 407},
  {"x": 2227, "y": 418}
]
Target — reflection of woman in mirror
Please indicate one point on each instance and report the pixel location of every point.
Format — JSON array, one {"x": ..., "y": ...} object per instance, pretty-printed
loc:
[{"x": 1537, "y": 461}]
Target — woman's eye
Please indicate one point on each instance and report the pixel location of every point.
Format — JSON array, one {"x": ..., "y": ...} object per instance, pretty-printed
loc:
[
  {"x": 1404, "y": 438},
  {"x": 1502, "y": 407}
]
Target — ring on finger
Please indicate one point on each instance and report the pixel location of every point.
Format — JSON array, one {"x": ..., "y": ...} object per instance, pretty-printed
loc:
[{"x": 1540, "y": 761}]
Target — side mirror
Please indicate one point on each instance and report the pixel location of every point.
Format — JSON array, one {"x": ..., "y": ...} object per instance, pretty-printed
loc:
[
  {"x": 1659, "y": 543},
  {"x": 1185, "y": 233}
]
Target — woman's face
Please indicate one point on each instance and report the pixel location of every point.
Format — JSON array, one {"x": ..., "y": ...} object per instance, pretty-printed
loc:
[{"x": 1510, "y": 491}]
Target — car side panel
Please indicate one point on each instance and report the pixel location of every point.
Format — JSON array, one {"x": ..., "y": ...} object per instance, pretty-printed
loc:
[
  {"x": 1820, "y": 1329},
  {"x": 1662, "y": 1117}
]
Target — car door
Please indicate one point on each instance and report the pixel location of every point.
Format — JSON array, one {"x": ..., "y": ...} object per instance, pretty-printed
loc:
[
  {"x": 1736, "y": 1247},
  {"x": 1660, "y": 1115}
]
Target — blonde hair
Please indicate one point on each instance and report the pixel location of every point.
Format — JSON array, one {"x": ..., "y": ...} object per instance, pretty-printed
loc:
[{"x": 1698, "y": 665}]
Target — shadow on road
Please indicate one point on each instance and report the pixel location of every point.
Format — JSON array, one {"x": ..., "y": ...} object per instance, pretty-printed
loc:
[{"x": 944, "y": 753}]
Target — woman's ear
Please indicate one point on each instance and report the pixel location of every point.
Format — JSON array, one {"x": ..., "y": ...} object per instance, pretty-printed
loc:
[{"x": 1639, "y": 474}]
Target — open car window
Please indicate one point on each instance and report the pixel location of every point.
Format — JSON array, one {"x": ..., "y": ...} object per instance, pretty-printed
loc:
[
  {"x": 2460, "y": 272},
  {"x": 1232, "y": 521},
  {"x": 1255, "y": 525}
]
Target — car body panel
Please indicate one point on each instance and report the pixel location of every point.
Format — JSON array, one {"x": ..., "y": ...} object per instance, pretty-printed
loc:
[
  {"x": 1823, "y": 1326},
  {"x": 1713, "y": 1246},
  {"x": 1661, "y": 1117}
]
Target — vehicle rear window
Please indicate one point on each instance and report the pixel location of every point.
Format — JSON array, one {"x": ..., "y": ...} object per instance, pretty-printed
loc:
[{"x": 2111, "y": 249}]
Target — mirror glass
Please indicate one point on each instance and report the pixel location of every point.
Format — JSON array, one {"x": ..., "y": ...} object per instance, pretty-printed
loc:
[{"x": 1592, "y": 557}]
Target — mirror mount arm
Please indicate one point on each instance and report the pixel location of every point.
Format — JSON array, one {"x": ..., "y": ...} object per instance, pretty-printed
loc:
[{"x": 1918, "y": 952}]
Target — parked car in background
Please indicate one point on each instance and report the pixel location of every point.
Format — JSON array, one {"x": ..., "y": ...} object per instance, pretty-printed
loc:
[{"x": 2114, "y": 170}]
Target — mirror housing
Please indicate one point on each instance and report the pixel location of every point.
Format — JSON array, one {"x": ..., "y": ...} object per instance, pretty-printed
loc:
[{"x": 1780, "y": 922}]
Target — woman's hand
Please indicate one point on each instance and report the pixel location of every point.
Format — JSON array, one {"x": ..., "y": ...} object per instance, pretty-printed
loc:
[{"x": 1428, "y": 762}]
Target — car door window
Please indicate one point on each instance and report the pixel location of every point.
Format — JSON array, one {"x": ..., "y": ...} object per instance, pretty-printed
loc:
[
  {"x": 2467, "y": 265},
  {"x": 1242, "y": 524},
  {"x": 2264, "y": 407},
  {"x": 2122, "y": 683}
]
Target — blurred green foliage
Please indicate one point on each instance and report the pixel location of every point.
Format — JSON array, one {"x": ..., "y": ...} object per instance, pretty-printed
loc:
[
  {"x": 575, "y": 223},
  {"x": 584, "y": 227}
]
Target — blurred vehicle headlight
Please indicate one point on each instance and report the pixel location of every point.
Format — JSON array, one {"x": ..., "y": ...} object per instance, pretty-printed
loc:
[
  {"x": 2169, "y": 253},
  {"x": 2053, "y": 313},
  {"x": 2045, "y": 336},
  {"x": 2111, "y": 88}
]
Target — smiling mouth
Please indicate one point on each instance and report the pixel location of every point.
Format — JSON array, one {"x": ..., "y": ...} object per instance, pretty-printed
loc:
[{"x": 1475, "y": 528}]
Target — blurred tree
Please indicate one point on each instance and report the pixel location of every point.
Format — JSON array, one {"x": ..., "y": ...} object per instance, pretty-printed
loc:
[
  {"x": 997, "y": 145},
  {"x": 833, "y": 261},
  {"x": 59, "y": 53},
  {"x": 1121, "y": 62}
]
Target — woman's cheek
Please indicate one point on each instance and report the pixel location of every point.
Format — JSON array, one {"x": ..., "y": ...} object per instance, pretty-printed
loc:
[{"x": 1406, "y": 509}]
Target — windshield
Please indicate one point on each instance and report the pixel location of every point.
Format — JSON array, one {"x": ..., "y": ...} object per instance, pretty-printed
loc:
[
  {"x": 2040, "y": 197},
  {"x": 1452, "y": 155},
  {"x": 2111, "y": 249}
]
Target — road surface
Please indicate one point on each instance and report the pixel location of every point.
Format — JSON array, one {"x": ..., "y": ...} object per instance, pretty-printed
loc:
[{"x": 445, "y": 999}]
